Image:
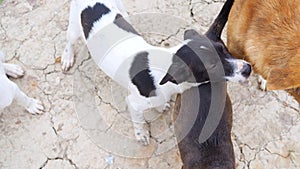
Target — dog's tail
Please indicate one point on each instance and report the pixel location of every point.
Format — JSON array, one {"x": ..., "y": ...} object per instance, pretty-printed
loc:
[{"x": 215, "y": 30}]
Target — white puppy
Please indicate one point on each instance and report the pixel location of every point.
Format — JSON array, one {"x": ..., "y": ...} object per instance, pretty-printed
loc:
[
  {"x": 10, "y": 91},
  {"x": 151, "y": 74}
]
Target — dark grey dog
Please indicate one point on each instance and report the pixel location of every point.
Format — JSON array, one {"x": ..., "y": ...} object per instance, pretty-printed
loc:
[{"x": 204, "y": 114}]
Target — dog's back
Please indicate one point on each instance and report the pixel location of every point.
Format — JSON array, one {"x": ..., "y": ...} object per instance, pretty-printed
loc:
[
  {"x": 217, "y": 151},
  {"x": 267, "y": 34}
]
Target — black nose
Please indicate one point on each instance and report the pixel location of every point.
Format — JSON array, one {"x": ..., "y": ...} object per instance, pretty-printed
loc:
[{"x": 246, "y": 70}]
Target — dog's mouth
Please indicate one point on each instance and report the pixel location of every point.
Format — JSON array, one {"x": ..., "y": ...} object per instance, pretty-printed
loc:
[{"x": 236, "y": 78}]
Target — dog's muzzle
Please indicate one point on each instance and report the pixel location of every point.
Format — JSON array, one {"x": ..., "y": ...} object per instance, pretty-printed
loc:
[
  {"x": 241, "y": 71},
  {"x": 244, "y": 68}
]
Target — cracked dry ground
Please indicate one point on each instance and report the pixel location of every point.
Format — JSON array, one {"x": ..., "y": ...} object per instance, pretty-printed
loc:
[{"x": 32, "y": 34}]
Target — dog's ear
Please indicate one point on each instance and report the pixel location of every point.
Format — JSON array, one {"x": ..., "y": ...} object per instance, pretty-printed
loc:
[
  {"x": 176, "y": 74},
  {"x": 168, "y": 78},
  {"x": 283, "y": 78},
  {"x": 191, "y": 34}
]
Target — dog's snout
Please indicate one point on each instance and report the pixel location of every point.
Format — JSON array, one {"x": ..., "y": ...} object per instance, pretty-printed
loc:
[{"x": 246, "y": 70}]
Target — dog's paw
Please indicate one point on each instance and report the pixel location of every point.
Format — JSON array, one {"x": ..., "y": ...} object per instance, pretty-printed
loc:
[
  {"x": 35, "y": 106},
  {"x": 142, "y": 136},
  {"x": 262, "y": 83},
  {"x": 163, "y": 108},
  {"x": 67, "y": 59},
  {"x": 13, "y": 70}
]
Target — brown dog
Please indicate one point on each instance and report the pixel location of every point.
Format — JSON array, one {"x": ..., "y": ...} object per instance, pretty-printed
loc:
[{"x": 267, "y": 34}]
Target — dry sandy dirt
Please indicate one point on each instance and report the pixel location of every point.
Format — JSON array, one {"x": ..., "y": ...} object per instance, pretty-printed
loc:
[{"x": 85, "y": 124}]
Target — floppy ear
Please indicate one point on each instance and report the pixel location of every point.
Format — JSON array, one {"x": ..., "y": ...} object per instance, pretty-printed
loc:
[
  {"x": 283, "y": 78},
  {"x": 167, "y": 78},
  {"x": 191, "y": 34},
  {"x": 176, "y": 74}
]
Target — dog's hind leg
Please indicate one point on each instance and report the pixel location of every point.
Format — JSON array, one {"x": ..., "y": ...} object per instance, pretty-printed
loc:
[
  {"x": 31, "y": 105},
  {"x": 139, "y": 123},
  {"x": 73, "y": 34}
]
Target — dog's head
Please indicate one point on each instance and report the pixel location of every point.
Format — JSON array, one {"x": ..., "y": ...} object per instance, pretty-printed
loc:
[{"x": 201, "y": 60}]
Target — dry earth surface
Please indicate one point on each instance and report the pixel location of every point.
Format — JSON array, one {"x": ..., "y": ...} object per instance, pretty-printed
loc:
[{"x": 85, "y": 124}]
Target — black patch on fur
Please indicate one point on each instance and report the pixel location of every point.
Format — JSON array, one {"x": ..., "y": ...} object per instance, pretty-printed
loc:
[
  {"x": 140, "y": 75},
  {"x": 123, "y": 24},
  {"x": 90, "y": 15}
]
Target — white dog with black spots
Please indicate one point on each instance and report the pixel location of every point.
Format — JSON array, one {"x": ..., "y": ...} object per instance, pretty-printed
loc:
[{"x": 151, "y": 74}]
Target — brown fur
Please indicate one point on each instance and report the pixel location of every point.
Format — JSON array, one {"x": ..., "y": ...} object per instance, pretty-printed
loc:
[{"x": 267, "y": 34}]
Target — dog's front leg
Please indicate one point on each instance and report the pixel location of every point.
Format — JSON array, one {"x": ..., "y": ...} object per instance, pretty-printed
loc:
[
  {"x": 73, "y": 34},
  {"x": 31, "y": 105},
  {"x": 165, "y": 107},
  {"x": 262, "y": 83},
  {"x": 139, "y": 123},
  {"x": 13, "y": 70}
]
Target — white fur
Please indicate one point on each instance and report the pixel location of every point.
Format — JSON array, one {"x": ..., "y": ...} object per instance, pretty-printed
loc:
[
  {"x": 237, "y": 76},
  {"x": 116, "y": 64},
  {"x": 262, "y": 83},
  {"x": 10, "y": 91},
  {"x": 75, "y": 31}
]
